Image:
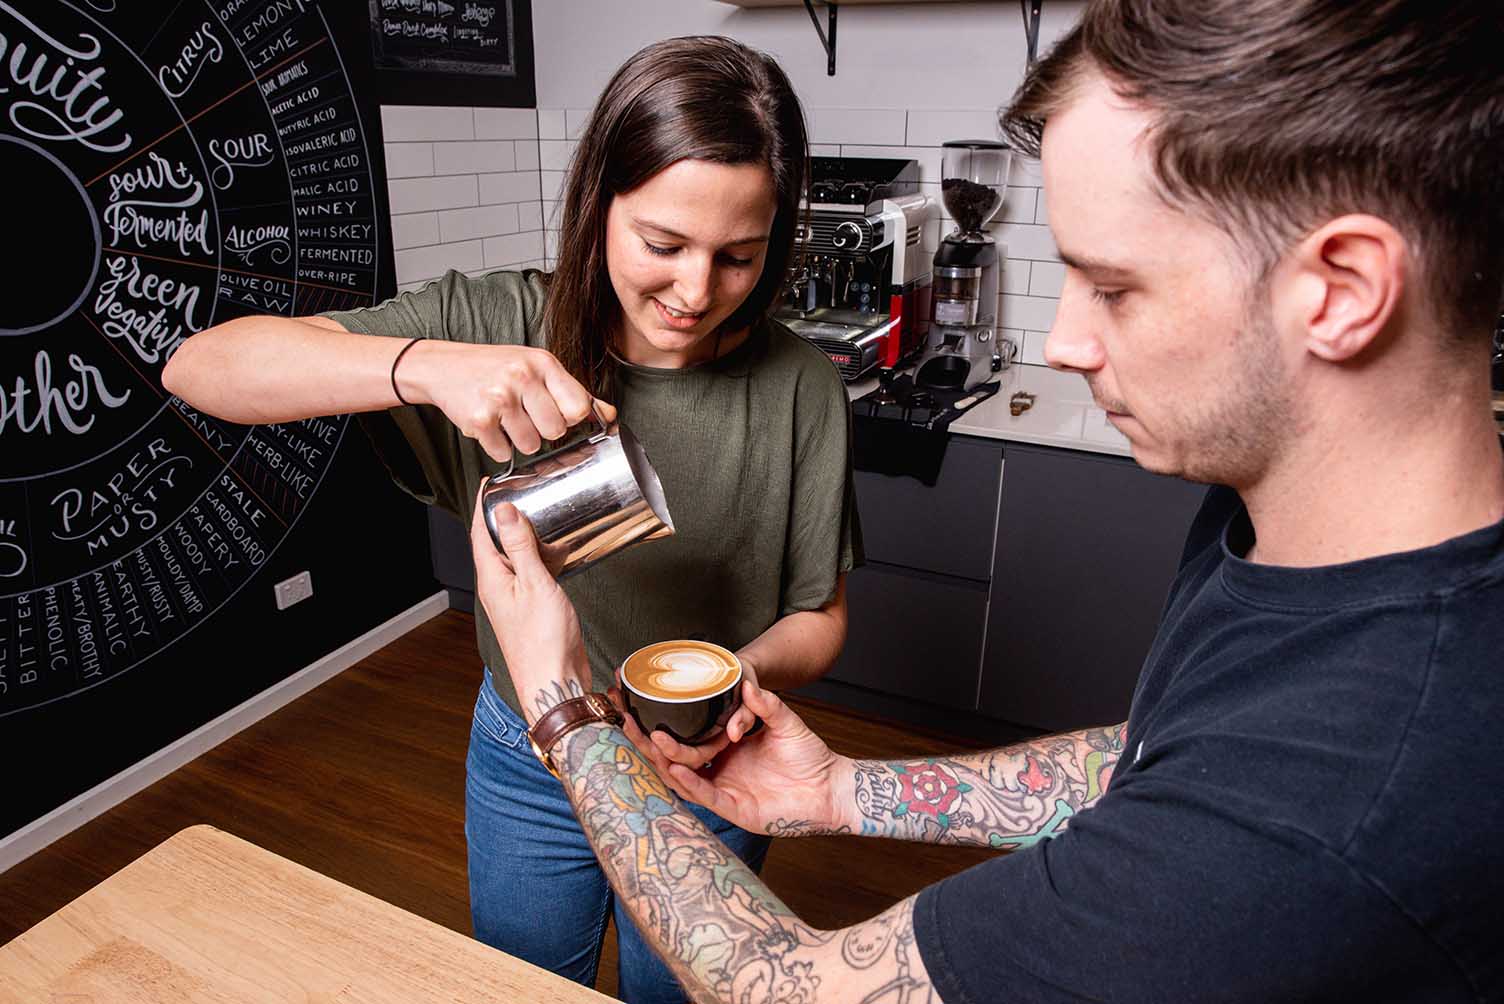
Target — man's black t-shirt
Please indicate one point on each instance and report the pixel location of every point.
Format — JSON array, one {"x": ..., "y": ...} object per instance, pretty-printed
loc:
[{"x": 1308, "y": 806}]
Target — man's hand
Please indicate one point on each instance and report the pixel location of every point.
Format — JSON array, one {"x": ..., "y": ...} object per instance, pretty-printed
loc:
[
  {"x": 536, "y": 624},
  {"x": 781, "y": 780},
  {"x": 694, "y": 757}
]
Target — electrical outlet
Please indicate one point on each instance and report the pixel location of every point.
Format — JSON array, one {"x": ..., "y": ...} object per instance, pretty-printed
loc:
[{"x": 294, "y": 590}]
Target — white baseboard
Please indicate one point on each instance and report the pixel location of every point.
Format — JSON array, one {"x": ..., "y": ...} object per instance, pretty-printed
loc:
[{"x": 32, "y": 837}]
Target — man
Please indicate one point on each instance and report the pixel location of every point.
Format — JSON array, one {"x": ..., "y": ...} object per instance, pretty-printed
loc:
[{"x": 1281, "y": 223}]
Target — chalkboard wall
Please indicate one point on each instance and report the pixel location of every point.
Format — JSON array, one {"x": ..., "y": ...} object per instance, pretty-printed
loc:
[
  {"x": 223, "y": 161},
  {"x": 464, "y": 52}
]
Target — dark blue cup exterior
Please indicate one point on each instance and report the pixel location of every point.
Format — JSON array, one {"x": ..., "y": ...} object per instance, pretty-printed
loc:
[{"x": 689, "y": 722}]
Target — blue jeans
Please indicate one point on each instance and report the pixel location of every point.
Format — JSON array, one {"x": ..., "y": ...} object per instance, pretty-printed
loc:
[{"x": 536, "y": 888}]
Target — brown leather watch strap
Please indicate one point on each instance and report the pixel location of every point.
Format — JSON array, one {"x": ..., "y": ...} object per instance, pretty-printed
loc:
[{"x": 565, "y": 717}]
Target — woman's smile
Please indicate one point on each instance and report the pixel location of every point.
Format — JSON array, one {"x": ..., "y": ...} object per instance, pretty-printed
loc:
[{"x": 679, "y": 320}]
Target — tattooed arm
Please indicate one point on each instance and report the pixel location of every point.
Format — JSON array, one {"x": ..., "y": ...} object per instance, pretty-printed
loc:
[
  {"x": 726, "y": 937},
  {"x": 1004, "y": 798},
  {"x": 786, "y": 782},
  {"x": 706, "y": 913}
]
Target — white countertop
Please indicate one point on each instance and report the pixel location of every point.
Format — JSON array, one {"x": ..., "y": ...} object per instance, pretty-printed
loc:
[{"x": 1062, "y": 414}]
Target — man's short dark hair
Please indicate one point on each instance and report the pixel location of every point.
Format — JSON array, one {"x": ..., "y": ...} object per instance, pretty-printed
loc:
[{"x": 1274, "y": 116}]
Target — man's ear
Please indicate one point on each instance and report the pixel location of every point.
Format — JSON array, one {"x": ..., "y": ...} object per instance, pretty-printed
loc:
[{"x": 1351, "y": 273}]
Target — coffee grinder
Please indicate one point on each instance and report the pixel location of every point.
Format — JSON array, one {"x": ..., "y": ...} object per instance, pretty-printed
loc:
[{"x": 965, "y": 347}]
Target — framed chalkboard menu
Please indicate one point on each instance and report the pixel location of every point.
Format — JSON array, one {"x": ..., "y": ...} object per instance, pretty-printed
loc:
[
  {"x": 217, "y": 159},
  {"x": 451, "y": 52}
]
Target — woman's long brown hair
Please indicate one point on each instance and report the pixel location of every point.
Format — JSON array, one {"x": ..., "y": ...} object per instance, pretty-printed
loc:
[{"x": 695, "y": 98}]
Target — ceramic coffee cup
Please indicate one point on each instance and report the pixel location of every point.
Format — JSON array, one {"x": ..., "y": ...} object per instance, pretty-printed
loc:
[{"x": 689, "y": 689}]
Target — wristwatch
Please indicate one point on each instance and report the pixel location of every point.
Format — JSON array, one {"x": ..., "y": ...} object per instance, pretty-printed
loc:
[{"x": 566, "y": 717}]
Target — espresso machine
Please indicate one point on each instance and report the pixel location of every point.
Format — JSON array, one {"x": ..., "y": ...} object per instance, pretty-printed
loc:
[
  {"x": 859, "y": 284},
  {"x": 965, "y": 347}
]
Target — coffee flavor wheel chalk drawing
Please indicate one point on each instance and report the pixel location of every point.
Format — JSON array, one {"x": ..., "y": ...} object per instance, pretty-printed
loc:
[{"x": 182, "y": 172}]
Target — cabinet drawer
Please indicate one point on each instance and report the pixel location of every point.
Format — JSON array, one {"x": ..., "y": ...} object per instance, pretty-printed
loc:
[
  {"x": 947, "y": 528},
  {"x": 914, "y": 635},
  {"x": 1087, "y": 552}
]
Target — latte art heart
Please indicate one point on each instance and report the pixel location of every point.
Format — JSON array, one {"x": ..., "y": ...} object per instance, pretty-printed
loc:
[{"x": 681, "y": 670}]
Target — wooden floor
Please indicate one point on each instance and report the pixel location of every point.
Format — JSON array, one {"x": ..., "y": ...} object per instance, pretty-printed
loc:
[{"x": 363, "y": 779}]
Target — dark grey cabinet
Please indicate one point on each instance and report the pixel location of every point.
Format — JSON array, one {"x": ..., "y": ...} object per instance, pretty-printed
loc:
[
  {"x": 1087, "y": 546},
  {"x": 946, "y": 527},
  {"x": 913, "y": 634},
  {"x": 917, "y": 611}
]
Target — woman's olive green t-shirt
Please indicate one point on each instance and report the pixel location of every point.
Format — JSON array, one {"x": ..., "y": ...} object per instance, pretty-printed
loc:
[{"x": 753, "y": 451}]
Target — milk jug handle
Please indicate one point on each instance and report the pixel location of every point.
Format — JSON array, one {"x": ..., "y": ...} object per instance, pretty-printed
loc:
[{"x": 604, "y": 431}]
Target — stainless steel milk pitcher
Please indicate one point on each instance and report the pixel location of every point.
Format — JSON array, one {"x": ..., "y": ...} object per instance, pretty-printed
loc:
[{"x": 586, "y": 500}]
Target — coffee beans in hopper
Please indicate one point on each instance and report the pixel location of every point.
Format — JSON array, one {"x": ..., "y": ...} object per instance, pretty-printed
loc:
[{"x": 969, "y": 203}]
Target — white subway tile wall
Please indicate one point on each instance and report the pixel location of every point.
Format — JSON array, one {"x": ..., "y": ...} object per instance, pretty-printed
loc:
[
  {"x": 1034, "y": 313},
  {"x": 409, "y": 160},
  {"x": 870, "y": 126},
  {"x": 465, "y": 190},
  {"x": 1019, "y": 205},
  {"x": 503, "y": 252},
  {"x": 553, "y": 185},
  {"x": 574, "y": 121},
  {"x": 506, "y": 123},
  {"x": 436, "y": 259},
  {"x": 530, "y": 216},
  {"x": 414, "y": 195},
  {"x": 482, "y": 221},
  {"x": 412, "y": 230},
  {"x": 554, "y": 154},
  {"x": 478, "y": 189},
  {"x": 511, "y": 186},
  {"x": 1047, "y": 279},
  {"x": 527, "y": 156},
  {"x": 473, "y": 158},
  {"x": 932, "y": 127},
  {"x": 551, "y": 123},
  {"x": 1031, "y": 349},
  {"x": 413, "y": 123},
  {"x": 1016, "y": 276}
]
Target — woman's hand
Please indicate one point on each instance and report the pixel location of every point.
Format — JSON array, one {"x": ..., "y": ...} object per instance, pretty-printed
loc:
[
  {"x": 502, "y": 396},
  {"x": 535, "y": 623}
]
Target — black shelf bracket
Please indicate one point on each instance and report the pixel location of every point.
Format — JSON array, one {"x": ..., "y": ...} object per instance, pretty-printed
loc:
[
  {"x": 1031, "y": 12},
  {"x": 827, "y": 38}
]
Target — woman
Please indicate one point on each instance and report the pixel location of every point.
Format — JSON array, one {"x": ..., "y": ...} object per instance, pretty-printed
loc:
[{"x": 678, "y": 222}]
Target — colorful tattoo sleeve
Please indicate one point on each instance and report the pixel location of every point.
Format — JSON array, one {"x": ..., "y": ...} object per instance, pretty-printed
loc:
[
  {"x": 725, "y": 936},
  {"x": 1005, "y": 798}
]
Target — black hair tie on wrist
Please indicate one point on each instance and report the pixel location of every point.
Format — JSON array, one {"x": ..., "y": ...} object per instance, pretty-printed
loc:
[{"x": 409, "y": 345}]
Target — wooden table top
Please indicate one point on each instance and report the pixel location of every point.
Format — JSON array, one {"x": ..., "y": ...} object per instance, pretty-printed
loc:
[{"x": 208, "y": 917}]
